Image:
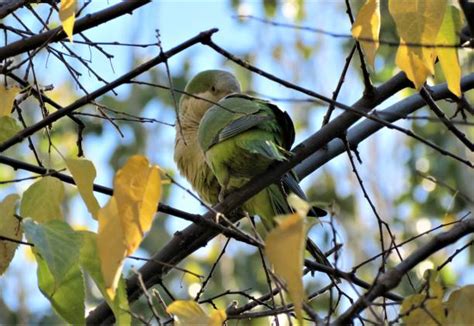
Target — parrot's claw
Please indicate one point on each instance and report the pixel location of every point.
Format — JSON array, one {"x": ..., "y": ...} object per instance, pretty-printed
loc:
[{"x": 221, "y": 196}]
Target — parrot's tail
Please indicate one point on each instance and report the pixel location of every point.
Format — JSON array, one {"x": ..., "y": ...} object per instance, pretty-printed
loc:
[{"x": 320, "y": 258}]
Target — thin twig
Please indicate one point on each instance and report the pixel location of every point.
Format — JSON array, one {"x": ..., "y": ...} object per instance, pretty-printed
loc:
[
  {"x": 392, "y": 277},
  {"x": 148, "y": 297},
  {"x": 425, "y": 94}
]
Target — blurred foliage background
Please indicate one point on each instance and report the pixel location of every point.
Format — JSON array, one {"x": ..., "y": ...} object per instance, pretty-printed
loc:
[{"x": 398, "y": 171}]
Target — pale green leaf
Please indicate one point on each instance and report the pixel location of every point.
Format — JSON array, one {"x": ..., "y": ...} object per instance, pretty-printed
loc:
[
  {"x": 90, "y": 263},
  {"x": 42, "y": 200},
  {"x": 10, "y": 227},
  {"x": 66, "y": 296},
  {"x": 8, "y": 128},
  {"x": 56, "y": 242}
]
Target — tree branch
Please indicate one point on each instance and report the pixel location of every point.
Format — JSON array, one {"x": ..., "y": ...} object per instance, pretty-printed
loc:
[
  {"x": 10, "y": 7},
  {"x": 392, "y": 277},
  {"x": 368, "y": 127},
  {"x": 57, "y": 34},
  {"x": 194, "y": 218},
  {"x": 201, "y": 37}
]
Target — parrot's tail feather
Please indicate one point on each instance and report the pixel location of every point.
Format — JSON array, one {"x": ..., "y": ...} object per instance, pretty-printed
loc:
[{"x": 320, "y": 258}]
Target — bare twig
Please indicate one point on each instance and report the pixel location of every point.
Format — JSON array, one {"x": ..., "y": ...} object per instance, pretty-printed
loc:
[
  {"x": 392, "y": 277},
  {"x": 104, "y": 89},
  {"x": 80, "y": 25},
  {"x": 331, "y": 107},
  {"x": 148, "y": 297},
  {"x": 425, "y": 94}
]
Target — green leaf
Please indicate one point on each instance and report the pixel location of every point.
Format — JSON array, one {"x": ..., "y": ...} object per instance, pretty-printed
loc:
[
  {"x": 9, "y": 227},
  {"x": 8, "y": 128},
  {"x": 67, "y": 296},
  {"x": 42, "y": 200},
  {"x": 57, "y": 243},
  {"x": 90, "y": 263},
  {"x": 270, "y": 7}
]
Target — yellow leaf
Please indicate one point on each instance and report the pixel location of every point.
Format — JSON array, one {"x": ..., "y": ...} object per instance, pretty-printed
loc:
[
  {"x": 301, "y": 206},
  {"x": 415, "y": 307},
  {"x": 42, "y": 200},
  {"x": 460, "y": 306},
  {"x": 412, "y": 65},
  {"x": 367, "y": 26},
  {"x": 83, "y": 172},
  {"x": 10, "y": 227},
  {"x": 448, "y": 57},
  {"x": 7, "y": 96},
  {"x": 190, "y": 313},
  {"x": 111, "y": 245},
  {"x": 426, "y": 308},
  {"x": 137, "y": 188},
  {"x": 284, "y": 247},
  {"x": 67, "y": 15},
  {"x": 418, "y": 23},
  {"x": 127, "y": 216}
]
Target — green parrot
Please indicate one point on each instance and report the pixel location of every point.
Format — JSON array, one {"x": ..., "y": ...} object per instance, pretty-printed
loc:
[{"x": 225, "y": 138}]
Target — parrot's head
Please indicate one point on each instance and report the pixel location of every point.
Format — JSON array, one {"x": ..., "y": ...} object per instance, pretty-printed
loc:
[{"x": 205, "y": 89}]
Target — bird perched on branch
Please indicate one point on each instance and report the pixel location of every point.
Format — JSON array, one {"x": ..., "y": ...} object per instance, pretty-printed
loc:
[{"x": 224, "y": 138}]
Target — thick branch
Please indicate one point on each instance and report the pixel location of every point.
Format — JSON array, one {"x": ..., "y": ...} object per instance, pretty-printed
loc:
[
  {"x": 392, "y": 277},
  {"x": 368, "y": 127},
  {"x": 194, "y": 218},
  {"x": 57, "y": 34},
  {"x": 10, "y": 7},
  {"x": 104, "y": 89}
]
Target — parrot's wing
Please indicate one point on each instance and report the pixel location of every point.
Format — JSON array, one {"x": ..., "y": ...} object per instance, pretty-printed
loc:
[
  {"x": 282, "y": 118},
  {"x": 237, "y": 113},
  {"x": 240, "y": 125}
]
